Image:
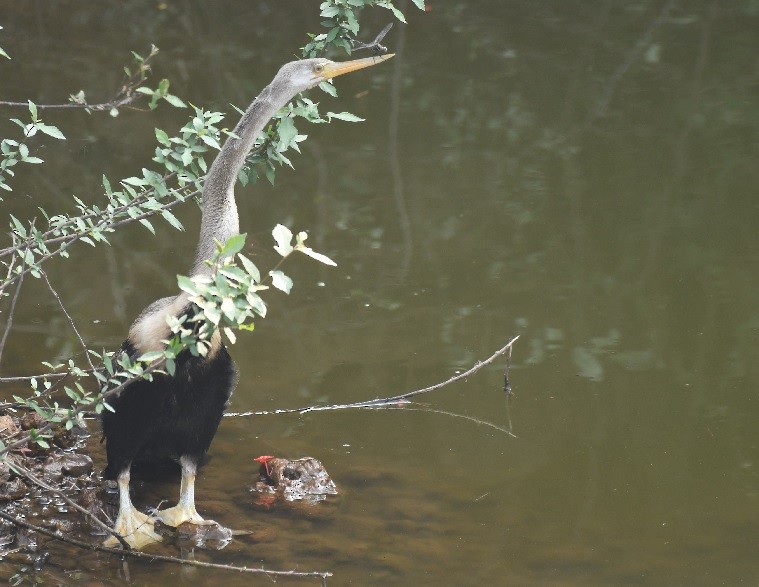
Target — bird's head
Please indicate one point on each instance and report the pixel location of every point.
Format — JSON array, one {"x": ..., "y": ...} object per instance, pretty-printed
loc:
[{"x": 307, "y": 73}]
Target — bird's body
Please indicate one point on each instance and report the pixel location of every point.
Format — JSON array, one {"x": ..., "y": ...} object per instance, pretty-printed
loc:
[
  {"x": 185, "y": 411},
  {"x": 177, "y": 416}
]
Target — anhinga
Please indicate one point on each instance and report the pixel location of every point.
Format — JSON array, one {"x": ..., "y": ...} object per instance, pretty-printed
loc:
[{"x": 177, "y": 416}]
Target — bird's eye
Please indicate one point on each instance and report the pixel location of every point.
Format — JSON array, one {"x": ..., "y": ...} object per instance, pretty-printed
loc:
[{"x": 318, "y": 68}]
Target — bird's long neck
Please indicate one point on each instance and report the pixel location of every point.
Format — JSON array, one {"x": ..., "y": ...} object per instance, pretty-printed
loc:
[{"x": 220, "y": 219}]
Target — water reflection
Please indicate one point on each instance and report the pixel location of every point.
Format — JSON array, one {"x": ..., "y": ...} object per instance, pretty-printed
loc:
[{"x": 582, "y": 173}]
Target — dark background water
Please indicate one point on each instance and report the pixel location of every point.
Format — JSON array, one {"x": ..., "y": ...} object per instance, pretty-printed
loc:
[{"x": 583, "y": 174}]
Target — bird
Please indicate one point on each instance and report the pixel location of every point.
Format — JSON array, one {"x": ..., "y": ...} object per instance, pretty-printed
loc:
[{"x": 176, "y": 416}]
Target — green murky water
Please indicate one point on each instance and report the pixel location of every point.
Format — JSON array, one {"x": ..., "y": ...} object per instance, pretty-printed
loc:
[{"x": 580, "y": 173}]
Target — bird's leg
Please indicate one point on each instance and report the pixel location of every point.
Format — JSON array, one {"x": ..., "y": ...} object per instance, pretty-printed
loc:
[
  {"x": 134, "y": 526},
  {"x": 185, "y": 510}
]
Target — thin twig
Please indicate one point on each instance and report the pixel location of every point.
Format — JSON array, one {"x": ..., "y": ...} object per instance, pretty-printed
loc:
[
  {"x": 157, "y": 557},
  {"x": 22, "y": 378},
  {"x": 507, "y": 367},
  {"x": 11, "y": 264},
  {"x": 386, "y": 401},
  {"x": 125, "y": 96},
  {"x": 122, "y": 208},
  {"x": 69, "y": 239},
  {"x": 116, "y": 102},
  {"x": 12, "y": 309},
  {"x": 40, "y": 483},
  {"x": 68, "y": 316}
]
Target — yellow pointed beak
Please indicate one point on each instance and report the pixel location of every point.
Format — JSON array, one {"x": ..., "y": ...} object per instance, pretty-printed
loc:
[{"x": 334, "y": 69}]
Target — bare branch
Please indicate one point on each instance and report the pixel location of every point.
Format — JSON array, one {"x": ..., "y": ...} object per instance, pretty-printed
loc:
[
  {"x": 125, "y": 95},
  {"x": 11, "y": 264},
  {"x": 68, "y": 316},
  {"x": 21, "y": 378},
  {"x": 123, "y": 98},
  {"x": 12, "y": 309},
  {"x": 395, "y": 401}
]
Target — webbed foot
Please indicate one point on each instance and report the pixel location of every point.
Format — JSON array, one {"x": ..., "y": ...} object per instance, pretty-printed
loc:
[
  {"x": 179, "y": 514},
  {"x": 136, "y": 528}
]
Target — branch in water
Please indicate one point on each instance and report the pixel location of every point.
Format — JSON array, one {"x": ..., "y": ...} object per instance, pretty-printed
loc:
[
  {"x": 323, "y": 575},
  {"x": 396, "y": 401},
  {"x": 39, "y": 483}
]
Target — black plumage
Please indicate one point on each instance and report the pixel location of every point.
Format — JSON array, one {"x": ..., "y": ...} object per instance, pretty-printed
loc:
[{"x": 169, "y": 417}]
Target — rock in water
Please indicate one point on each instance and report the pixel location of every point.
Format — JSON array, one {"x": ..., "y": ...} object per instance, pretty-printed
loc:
[{"x": 301, "y": 479}]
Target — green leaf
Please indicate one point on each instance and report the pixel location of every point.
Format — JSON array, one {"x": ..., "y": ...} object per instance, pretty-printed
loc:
[
  {"x": 346, "y": 116},
  {"x": 51, "y": 131},
  {"x": 233, "y": 245},
  {"x": 171, "y": 219},
  {"x": 162, "y": 137},
  {"x": 210, "y": 141},
  {"x": 33, "y": 111},
  {"x": 328, "y": 87},
  {"x": 150, "y": 357},
  {"x": 228, "y": 309},
  {"x": 188, "y": 285},
  {"x": 419, "y": 4},
  {"x": 146, "y": 224},
  {"x": 213, "y": 315},
  {"x": 314, "y": 255},
  {"x": 398, "y": 14},
  {"x": 138, "y": 181},
  {"x": 108, "y": 363},
  {"x": 269, "y": 172},
  {"x": 233, "y": 273},
  {"x": 19, "y": 227},
  {"x": 174, "y": 101},
  {"x": 281, "y": 281},
  {"x": 351, "y": 22},
  {"x": 287, "y": 133},
  {"x": 250, "y": 267},
  {"x": 283, "y": 237},
  {"x": 328, "y": 11}
]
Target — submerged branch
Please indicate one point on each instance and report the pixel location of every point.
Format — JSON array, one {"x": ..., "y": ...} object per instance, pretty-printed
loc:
[
  {"x": 56, "y": 535},
  {"x": 39, "y": 483}
]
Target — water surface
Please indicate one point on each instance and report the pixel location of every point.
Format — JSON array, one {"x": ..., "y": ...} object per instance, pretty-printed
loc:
[{"x": 580, "y": 173}]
